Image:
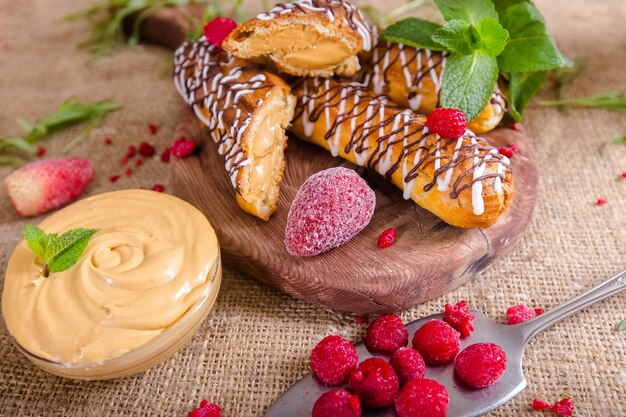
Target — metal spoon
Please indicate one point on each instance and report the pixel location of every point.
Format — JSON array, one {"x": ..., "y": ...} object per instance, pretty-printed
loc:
[{"x": 464, "y": 402}]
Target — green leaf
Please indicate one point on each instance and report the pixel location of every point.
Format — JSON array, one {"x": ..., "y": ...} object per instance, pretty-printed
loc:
[
  {"x": 505, "y": 4},
  {"x": 619, "y": 139},
  {"x": 65, "y": 251},
  {"x": 413, "y": 32},
  {"x": 522, "y": 87},
  {"x": 468, "y": 82},
  {"x": 530, "y": 47},
  {"x": 488, "y": 36},
  {"x": 492, "y": 37},
  {"x": 622, "y": 326},
  {"x": 455, "y": 36},
  {"x": 35, "y": 239},
  {"x": 471, "y": 11}
]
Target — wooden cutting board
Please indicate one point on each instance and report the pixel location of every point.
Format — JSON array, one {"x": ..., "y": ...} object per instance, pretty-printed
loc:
[{"x": 428, "y": 259}]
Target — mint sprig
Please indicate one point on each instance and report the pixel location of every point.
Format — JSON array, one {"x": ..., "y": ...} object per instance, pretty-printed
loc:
[
  {"x": 58, "y": 252},
  {"x": 485, "y": 38}
]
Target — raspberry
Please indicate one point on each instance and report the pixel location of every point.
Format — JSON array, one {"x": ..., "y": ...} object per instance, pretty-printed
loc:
[
  {"x": 422, "y": 398},
  {"x": 508, "y": 151},
  {"x": 158, "y": 188},
  {"x": 386, "y": 334},
  {"x": 460, "y": 318},
  {"x": 183, "y": 147},
  {"x": 333, "y": 359},
  {"x": 480, "y": 365},
  {"x": 131, "y": 151},
  {"x": 601, "y": 202},
  {"x": 153, "y": 129},
  {"x": 375, "y": 382},
  {"x": 564, "y": 407},
  {"x": 41, "y": 151},
  {"x": 206, "y": 409},
  {"x": 387, "y": 238},
  {"x": 519, "y": 313},
  {"x": 146, "y": 150},
  {"x": 218, "y": 29},
  {"x": 540, "y": 405},
  {"x": 437, "y": 342},
  {"x": 408, "y": 364},
  {"x": 166, "y": 154},
  {"x": 447, "y": 123},
  {"x": 108, "y": 141},
  {"x": 337, "y": 403},
  {"x": 114, "y": 178}
]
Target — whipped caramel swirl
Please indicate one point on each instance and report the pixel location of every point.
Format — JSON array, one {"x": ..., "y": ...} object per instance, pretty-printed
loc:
[{"x": 152, "y": 259}]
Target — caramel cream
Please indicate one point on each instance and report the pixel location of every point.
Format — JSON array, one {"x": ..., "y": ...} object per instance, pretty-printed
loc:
[{"x": 148, "y": 264}]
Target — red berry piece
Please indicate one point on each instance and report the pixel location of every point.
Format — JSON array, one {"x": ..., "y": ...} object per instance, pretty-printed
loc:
[
  {"x": 124, "y": 160},
  {"x": 539, "y": 311},
  {"x": 333, "y": 359},
  {"x": 460, "y": 318},
  {"x": 218, "y": 29},
  {"x": 375, "y": 382},
  {"x": 480, "y": 365},
  {"x": 146, "y": 150},
  {"x": 206, "y": 409},
  {"x": 519, "y": 313},
  {"x": 360, "y": 319},
  {"x": 386, "y": 334},
  {"x": 408, "y": 364},
  {"x": 516, "y": 126},
  {"x": 108, "y": 141},
  {"x": 422, "y": 398},
  {"x": 41, "y": 151},
  {"x": 165, "y": 155},
  {"x": 158, "y": 188},
  {"x": 337, "y": 403},
  {"x": 131, "y": 151},
  {"x": 153, "y": 129},
  {"x": 623, "y": 175},
  {"x": 387, "y": 238},
  {"x": 508, "y": 151},
  {"x": 330, "y": 208},
  {"x": 129, "y": 172},
  {"x": 564, "y": 407},
  {"x": 447, "y": 123},
  {"x": 138, "y": 163},
  {"x": 540, "y": 405},
  {"x": 601, "y": 202},
  {"x": 114, "y": 178},
  {"x": 437, "y": 342},
  {"x": 183, "y": 147}
]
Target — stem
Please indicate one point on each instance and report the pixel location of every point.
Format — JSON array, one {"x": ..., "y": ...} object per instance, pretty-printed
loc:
[
  {"x": 401, "y": 10},
  {"x": 46, "y": 270}
]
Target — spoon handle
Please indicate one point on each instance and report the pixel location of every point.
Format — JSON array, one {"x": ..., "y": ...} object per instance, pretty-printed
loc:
[{"x": 598, "y": 293}]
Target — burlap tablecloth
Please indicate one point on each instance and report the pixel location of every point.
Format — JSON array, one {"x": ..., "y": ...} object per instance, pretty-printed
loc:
[{"x": 256, "y": 342}]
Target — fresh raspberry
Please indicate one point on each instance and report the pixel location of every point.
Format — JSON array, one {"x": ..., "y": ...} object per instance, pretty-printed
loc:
[
  {"x": 108, "y": 141},
  {"x": 601, "y": 202},
  {"x": 564, "y": 407},
  {"x": 447, "y": 123},
  {"x": 158, "y": 188},
  {"x": 437, "y": 342},
  {"x": 386, "y": 334},
  {"x": 218, "y": 29},
  {"x": 41, "y": 151},
  {"x": 206, "y": 409},
  {"x": 508, "y": 151},
  {"x": 138, "y": 163},
  {"x": 183, "y": 147},
  {"x": 540, "y": 405},
  {"x": 375, "y": 382},
  {"x": 330, "y": 208},
  {"x": 146, "y": 150},
  {"x": 166, "y": 154},
  {"x": 131, "y": 151},
  {"x": 481, "y": 364},
  {"x": 153, "y": 129},
  {"x": 460, "y": 318},
  {"x": 337, "y": 403},
  {"x": 114, "y": 178},
  {"x": 519, "y": 313},
  {"x": 422, "y": 398},
  {"x": 333, "y": 359},
  {"x": 408, "y": 364},
  {"x": 387, "y": 238},
  {"x": 129, "y": 172}
]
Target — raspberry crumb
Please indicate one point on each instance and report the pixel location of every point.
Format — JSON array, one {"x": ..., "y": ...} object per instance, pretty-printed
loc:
[
  {"x": 516, "y": 126},
  {"x": 437, "y": 342},
  {"x": 218, "y": 29},
  {"x": 41, "y": 151},
  {"x": 422, "y": 398},
  {"x": 375, "y": 382},
  {"x": 601, "y": 202},
  {"x": 146, "y": 150},
  {"x": 460, "y": 318},
  {"x": 386, "y": 334},
  {"x": 131, "y": 151},
  {"x": 623, "y": 175},
  {"x": 481, "y": 364},
  {"x": 337, "y": 403},
  {"x": 540, "y": 405},
  {"x": 519, "y": 314},
  {"x": 108, "y": 141},
  {"x": 183, "y": 147},
  {"x": 447, "y": 123},
  {"x": 360, "y": 319},
  {"x": 333, "y": 359},
  {"x": 158, "y": 188},
  {"x": 114, "y": 178},
  {"x": 408, "y": 364},
  {"x": 206, "y": 409},
  {"x": 153, "y": 129},
  {"x": 539, "y": 311},
  {"x": 508, "y": 151},
  {"x": 387, "y": 238},
  {"x": 165, "y": 155},
  {"x": 124, "y": 160},
  {"x": 139, "y": 162},
  {"x": 564, "y": 407}
]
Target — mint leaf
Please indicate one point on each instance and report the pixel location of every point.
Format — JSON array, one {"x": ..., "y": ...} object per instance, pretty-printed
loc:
[
  {"x": 522, "y": 87},
  {"x": 455, "y": 36},
  {"x": 488, "y": 36},
  {"x": 505, "y": 4},
  {"x": 530, "y": 47},
  {"x": 413, "y": 32},
  {"x": 35, "y": 239},
  {"x": 471, "y": 11},
  {"x": 468, "y": 82},
  {"x": 493, "y": 37},
  {"x": 65, "y": 251}
]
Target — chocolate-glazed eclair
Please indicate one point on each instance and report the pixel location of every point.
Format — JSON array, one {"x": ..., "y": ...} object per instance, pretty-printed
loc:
[
  {"x": 246, "y": 111},
  {"x": 464, "y": 181},
  {"x": 305, "y": 38}
]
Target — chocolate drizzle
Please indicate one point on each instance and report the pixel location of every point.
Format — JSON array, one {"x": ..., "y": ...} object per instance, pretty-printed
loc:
[{"x": 389, "y": 139}]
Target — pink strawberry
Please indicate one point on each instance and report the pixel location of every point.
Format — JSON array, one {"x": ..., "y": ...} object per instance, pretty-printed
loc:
[{"x": 42, "y": 186}]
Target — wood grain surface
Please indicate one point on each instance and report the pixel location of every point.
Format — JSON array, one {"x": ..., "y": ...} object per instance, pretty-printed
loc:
[{"x": 428, "y": 259}]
